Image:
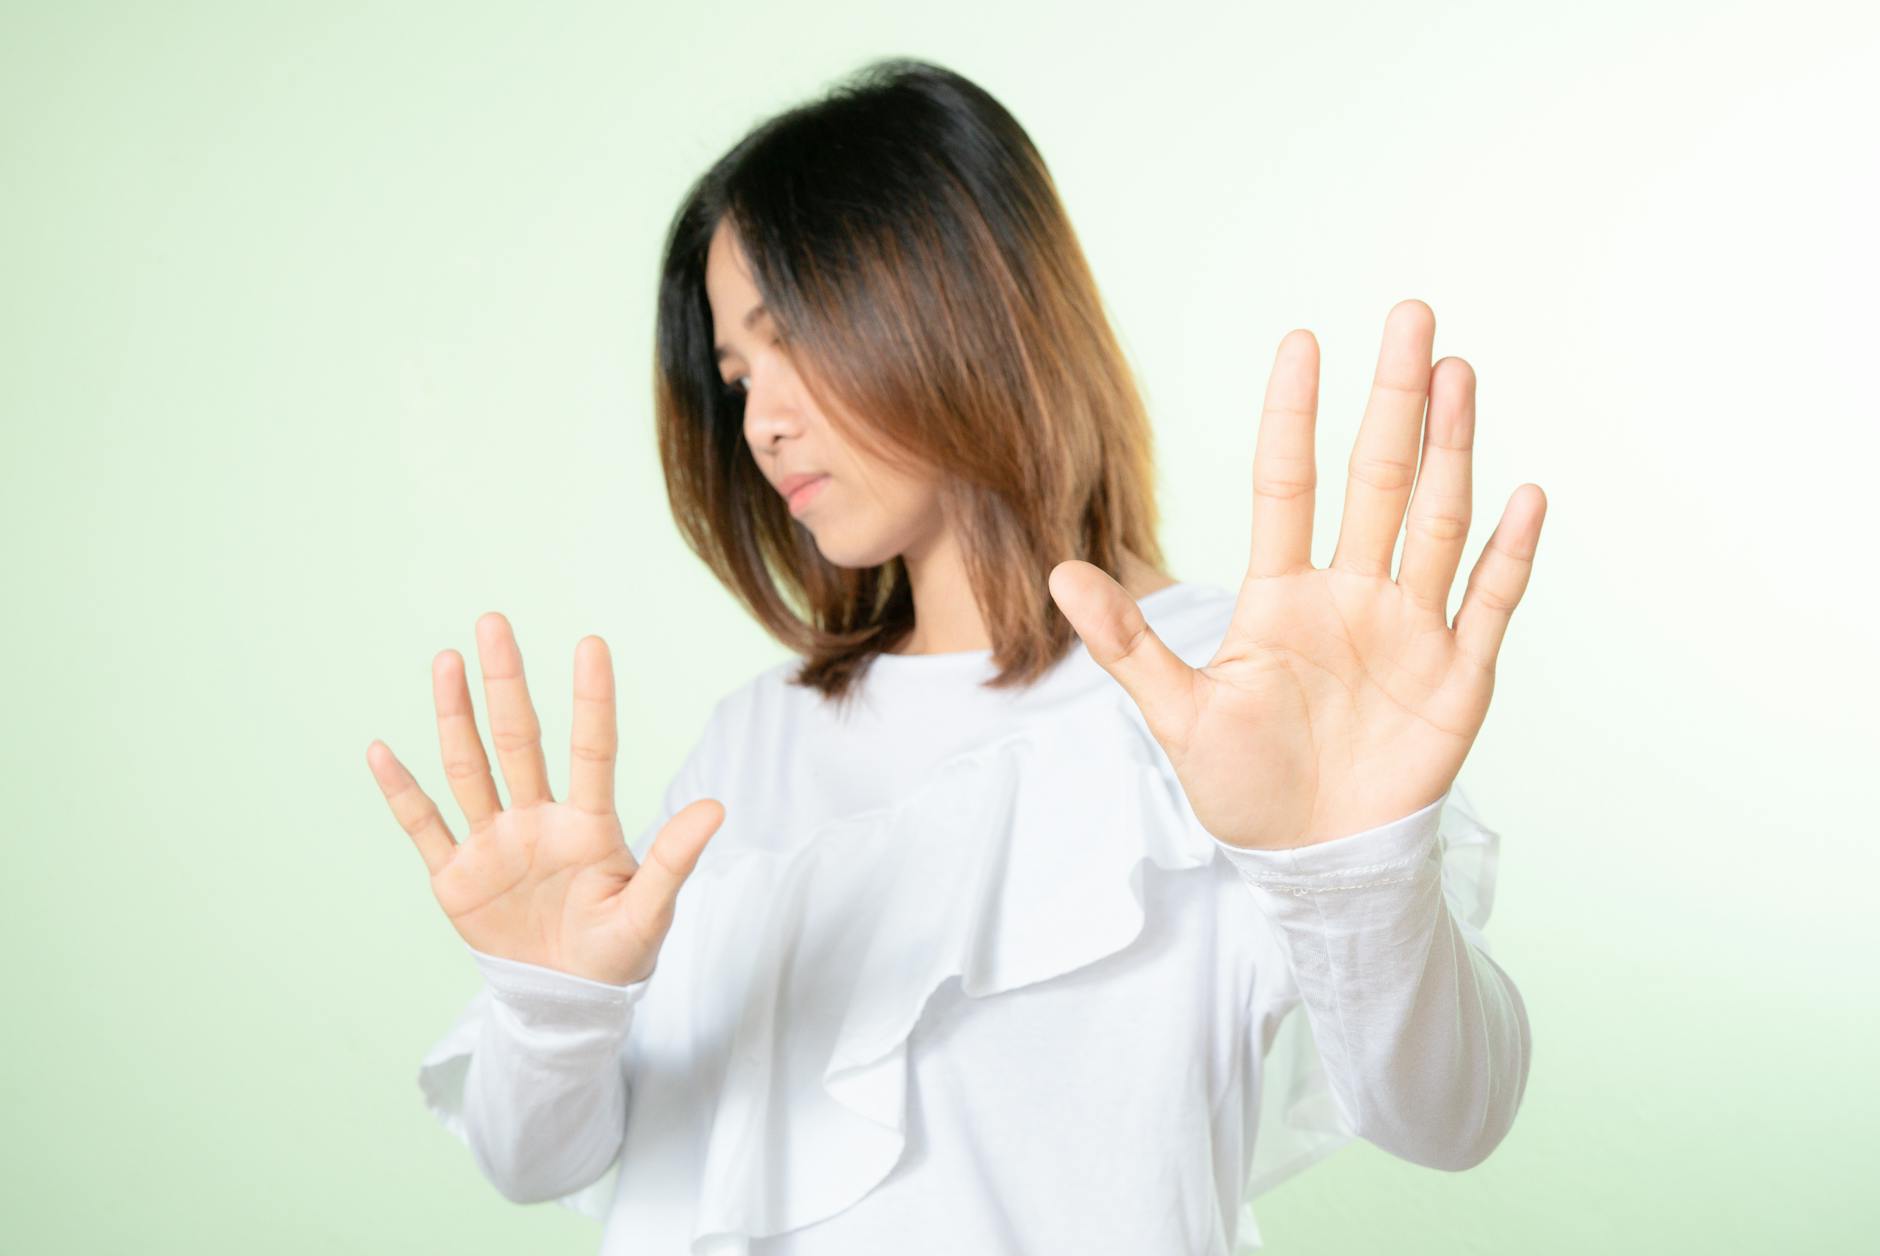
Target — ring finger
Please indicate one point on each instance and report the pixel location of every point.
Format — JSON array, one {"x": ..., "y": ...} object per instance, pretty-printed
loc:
[{"x": 466, "y": 764}]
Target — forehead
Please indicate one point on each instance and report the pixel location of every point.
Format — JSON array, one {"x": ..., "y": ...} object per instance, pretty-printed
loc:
[
  {"x": 728, "y": 283},
  {"x": 735, "y": 302}
]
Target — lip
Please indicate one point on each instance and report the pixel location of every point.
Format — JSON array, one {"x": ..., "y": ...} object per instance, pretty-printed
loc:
[
  {"x": 790, "y": 483},
  {"x": 800, "y": 490}
]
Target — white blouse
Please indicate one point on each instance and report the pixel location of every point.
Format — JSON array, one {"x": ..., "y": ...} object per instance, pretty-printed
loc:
[{"x": 961, "y": 972}]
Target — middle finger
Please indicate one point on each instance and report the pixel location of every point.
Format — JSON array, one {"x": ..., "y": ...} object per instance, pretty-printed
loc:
[
  {"x": 1384, "y": 459},
  {"x": 514, "y": 728}
]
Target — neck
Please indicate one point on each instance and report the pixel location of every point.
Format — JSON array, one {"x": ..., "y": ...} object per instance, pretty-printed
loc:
[{"x": 946, "y": 613}]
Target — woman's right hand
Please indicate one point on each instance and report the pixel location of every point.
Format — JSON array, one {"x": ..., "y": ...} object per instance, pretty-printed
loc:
[{"x": 543, "y": 882}]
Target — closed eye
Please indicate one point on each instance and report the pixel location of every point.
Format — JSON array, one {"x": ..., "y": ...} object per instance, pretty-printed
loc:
[{"x": 731, "y": 388}]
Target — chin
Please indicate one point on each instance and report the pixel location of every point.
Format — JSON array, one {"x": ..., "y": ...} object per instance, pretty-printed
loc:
[
  {"x": 853, "y": 555},
  {"x": 845, "y": 548}
]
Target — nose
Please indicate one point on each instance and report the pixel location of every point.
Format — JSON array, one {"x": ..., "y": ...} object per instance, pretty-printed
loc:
[{"x": 770, "y": 412}]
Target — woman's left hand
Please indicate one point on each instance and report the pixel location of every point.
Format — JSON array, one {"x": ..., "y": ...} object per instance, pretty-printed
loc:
[{"x": 1339, "y": 699}]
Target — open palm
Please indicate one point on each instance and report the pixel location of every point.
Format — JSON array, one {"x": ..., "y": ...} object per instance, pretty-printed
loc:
[
  {"x": 541, "y": 881},
  {"x": 1339, "y": 698}
]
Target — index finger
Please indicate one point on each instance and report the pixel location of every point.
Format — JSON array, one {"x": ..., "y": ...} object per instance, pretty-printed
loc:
[
  {"x": 1285, "y": 474},
  {"x": 594, "y": 744}
]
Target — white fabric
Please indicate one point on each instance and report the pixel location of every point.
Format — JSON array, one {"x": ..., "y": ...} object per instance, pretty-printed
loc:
[{"x": 961, "y": 972}]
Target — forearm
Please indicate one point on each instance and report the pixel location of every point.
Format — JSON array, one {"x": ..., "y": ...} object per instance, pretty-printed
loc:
[
  {"x": 1425, "y": 1039},
  {"x": 545, "y": 1093}
]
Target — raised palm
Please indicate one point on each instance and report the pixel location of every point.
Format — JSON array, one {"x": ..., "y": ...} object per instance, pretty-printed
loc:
[
  {"x": 540, "y": 881},
  {"x": 1339, "y": 698}
]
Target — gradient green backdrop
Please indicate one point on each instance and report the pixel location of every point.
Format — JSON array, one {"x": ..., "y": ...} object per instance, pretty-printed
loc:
[{"x": 327, "y": 328}]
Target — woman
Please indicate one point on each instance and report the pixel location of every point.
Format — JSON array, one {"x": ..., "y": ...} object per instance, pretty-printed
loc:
[{"x": 1042, "y": 911}]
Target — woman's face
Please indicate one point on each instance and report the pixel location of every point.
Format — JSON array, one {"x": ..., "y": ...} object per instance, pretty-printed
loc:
[{"x": 865, "y": 511}]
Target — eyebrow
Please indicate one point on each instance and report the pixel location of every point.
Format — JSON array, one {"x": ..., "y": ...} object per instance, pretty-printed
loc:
[{"x": 757, "y": 311}]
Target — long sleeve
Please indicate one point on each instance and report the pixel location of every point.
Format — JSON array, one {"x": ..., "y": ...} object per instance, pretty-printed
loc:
[
  {"x": 545, "y": 1094},
  {"x": 546, "y": 1089},
  {"x": 533, "y": 1074},
  {"x": 1424, "y": 1038}
]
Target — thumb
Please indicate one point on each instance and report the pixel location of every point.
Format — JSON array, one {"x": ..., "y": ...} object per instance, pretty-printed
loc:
[
  {"x": 1118, "y": 636},
  {"x": 651, "y": 891}
]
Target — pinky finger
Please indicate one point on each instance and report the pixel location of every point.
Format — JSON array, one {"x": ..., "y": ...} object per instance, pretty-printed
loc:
[
  {"x": 1500, "y": 577},
  {"x": 413, "y": 808}
]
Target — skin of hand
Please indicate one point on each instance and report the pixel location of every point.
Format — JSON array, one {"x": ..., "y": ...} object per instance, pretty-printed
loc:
[
  {"x": 540, "y": 881},
  {"x": 1339, "y": 699}
]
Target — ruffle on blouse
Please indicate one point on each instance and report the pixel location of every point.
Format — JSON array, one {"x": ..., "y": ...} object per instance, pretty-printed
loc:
[
  {"x": 1012, "y": 863},
  {"x": 1015, "y": 862},
  {"x": 1020, "y": 860}
]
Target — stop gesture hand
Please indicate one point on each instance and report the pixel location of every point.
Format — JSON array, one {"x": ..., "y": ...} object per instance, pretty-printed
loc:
[
  {"x": 540, "y": 881},
  {"x": 1340, "y": 698}
]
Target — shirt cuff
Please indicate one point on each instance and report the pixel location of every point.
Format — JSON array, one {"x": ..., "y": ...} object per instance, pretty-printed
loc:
[
  {"x": 539, "y": 992},
  {"x": 1375, "y": 856}
]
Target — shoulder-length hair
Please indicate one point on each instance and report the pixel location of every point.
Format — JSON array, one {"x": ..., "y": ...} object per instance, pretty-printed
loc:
[{"x": 906, "y": 235}]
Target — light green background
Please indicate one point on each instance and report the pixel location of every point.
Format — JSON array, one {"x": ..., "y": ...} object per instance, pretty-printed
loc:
[{"x": 327, "y": 328}]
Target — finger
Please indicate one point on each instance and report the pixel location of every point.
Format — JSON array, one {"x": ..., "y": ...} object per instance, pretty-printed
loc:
[
  {"x": 595, "y": 742},
  {"x": 1119, "y": 638},
  {"x": 1383, "y": 459},
  {"x": 412, "y": 807},
  {"x": 1500, "y": 576},
  {"x": 466, "y": 765},
  {"x": 514, "y": 728},
  {"x": 1285, "y": 472},
  {"x": 1439, "y": 508},
  {"x": 654, "y": 886}
]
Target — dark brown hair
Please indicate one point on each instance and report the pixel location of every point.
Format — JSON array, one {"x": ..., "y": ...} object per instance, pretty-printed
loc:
[{"x": 908, "y": 239}]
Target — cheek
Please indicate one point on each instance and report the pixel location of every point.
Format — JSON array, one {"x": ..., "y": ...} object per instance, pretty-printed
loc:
[
  {"x": 894, "y": 500},
  {"x": 883, "y": 506},
  {"x": 855, "y": 529}
]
